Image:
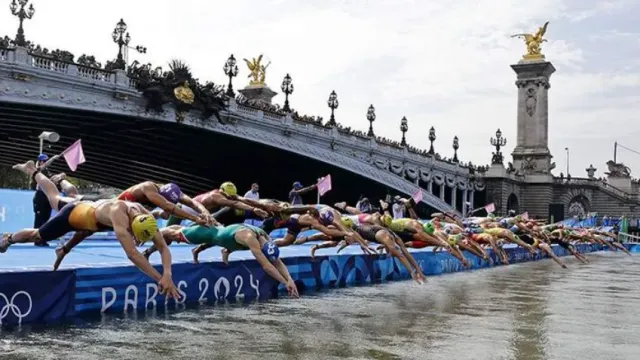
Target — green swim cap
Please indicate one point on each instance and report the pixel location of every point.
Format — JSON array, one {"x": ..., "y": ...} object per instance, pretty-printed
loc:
[
  {"x": 491, "y": 216},
  {"x": 428, "y": 227}
]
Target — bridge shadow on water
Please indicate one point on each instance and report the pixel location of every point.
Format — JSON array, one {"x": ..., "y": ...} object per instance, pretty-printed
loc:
[{"x": 124, "y": 150}]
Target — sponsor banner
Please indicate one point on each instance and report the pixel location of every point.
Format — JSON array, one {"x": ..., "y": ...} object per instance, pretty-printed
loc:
[{"x": 36, "y": 296}]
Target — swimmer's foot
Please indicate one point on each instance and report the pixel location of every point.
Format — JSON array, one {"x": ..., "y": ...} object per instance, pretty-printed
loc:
[
  {"x": 313, "y": 251},
  {"x": 225, "y": 256},
  {"x": 195, "y": 251},
  {"x": 28, "y": 168},
  {"x": 61, "y": 252},
  {"x": 5, "y": 243}
]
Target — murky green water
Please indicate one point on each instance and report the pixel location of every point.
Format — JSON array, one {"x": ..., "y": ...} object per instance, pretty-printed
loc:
[{"x": 527, "y": 311}]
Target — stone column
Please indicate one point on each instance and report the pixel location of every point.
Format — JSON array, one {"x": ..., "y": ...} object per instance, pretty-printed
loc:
[
  {"x": 465, "y": 199},
  {"x": 454, "y": 197},
  {"x": 473, "y": 206},
  {"x": 430, "y": 187},
  {"x": 442, "y": 188},
  {"x": 532, "y": 146}
]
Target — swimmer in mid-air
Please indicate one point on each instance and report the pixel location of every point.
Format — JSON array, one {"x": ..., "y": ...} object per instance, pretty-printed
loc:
[
  {"x": 131, "y": 222},
  {"x": 235, "y": 238}
]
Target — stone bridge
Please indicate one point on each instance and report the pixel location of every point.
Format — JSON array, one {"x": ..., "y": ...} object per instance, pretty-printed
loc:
[{"x": 125, "y": 143}]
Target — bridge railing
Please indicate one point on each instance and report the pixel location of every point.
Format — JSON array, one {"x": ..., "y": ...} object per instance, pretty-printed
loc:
[{"x": 597, "y": 183}]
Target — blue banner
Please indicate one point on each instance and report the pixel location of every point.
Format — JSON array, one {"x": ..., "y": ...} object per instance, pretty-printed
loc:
[
  {"x": 128, "y": 289},
  {"x": 36, "y": 296},
  {"x": 16, "y": 210}
]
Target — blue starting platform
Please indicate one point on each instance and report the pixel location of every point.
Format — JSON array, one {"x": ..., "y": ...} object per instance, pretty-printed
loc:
[{"x": 97, "y": 277}]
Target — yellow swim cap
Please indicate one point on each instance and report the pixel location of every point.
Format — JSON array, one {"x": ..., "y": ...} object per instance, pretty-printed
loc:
[
  {"x": 229, "y": 188},
  {"x": 386, "y": 220},
  {"x": 347, "y": 222},
  {"x": 144, "y": 227}
]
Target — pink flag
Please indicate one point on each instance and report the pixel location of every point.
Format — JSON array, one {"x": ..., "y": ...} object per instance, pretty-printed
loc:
[
  {"x": 417, "y": 197},
  {"x": 74, "y": 155},
  {"x": 490, "y": 208},
  {"x": 324, "y": 185}
]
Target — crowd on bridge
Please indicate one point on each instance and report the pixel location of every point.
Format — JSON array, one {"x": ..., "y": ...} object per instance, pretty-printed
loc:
[{"x": 222, "y": 218}]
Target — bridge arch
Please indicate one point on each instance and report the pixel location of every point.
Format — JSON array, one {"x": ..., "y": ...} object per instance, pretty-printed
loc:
[{"x": 513, "y": 203}]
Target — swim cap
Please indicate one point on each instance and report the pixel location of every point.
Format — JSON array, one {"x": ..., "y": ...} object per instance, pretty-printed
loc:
[
  {"x": 518, "y": 218},
  {"x": 386, "y": 220},
  {"x": 428, "y": 227},
  {"x": 228, "y": 188},
  {"x": 297, "y": 185},
  {"x": 144, "y": 227},
  {"x": 347, "y": 222},
  {"x": 491, "y": 216},
  {"x": 171, "y": 192},
  {"x": 271, "y": 251},
  {"x": 43, "y": 157},
  {"x": 326, "y": 216}
]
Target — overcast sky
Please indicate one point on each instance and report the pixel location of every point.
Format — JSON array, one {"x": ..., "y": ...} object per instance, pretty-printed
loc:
[{"x": 439, "y": 63}]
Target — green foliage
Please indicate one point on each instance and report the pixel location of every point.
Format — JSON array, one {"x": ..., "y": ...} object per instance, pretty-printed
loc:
[{"x": 13, "y": 179}]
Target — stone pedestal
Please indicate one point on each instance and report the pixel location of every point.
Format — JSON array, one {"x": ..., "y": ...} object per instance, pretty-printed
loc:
[
  {"x": 622, "y": 183},
  {"x": 496, "y": 171},
  {"x": 261, "y": 93},
  {"x": 531, "y": 154}
]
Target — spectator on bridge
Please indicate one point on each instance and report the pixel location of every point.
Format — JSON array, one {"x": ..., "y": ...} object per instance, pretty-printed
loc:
[
  {"x": 253, "y": 193},
  {"x": 398, "y": 207},
  {"x": 295, "y": 195},
  {"x": 364, "y": 206}
]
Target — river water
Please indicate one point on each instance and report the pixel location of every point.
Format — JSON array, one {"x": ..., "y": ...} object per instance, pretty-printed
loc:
[{"x": 525, "y": 311}]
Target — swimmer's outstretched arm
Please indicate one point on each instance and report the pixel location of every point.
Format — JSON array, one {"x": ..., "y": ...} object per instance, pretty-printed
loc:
[
  {"x": 158, "y": 200},
  {"x": 121, "y": 226},
  {"x": 195, "y": 205}
]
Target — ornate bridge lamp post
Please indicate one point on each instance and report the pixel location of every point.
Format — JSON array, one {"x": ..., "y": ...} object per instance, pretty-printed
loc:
[
  {"x": 404, "y": 127},
  {"x": 333, "y": 105},
  {"x": 456, "y": 146},
  {"x": 231, "y": 70},
  {"x": 371, "y": 117},
  {"x": 498, "y": 142},
  {"x": 287, "y": 89},
  {"x": 123, "y": 40},
  {"x": 22, "y": 14},
  {"x": 432, "y": 138}
]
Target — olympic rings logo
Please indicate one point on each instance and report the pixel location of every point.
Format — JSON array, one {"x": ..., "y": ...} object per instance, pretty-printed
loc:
[{"x": 10, "y": 306}]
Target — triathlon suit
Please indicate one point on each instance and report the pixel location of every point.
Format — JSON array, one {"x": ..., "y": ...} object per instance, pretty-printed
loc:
[
  {"x": 528, "y": 239},
  {"x": 368, "y": 232},
  {"x": 292, "y": 224},
  {"x": 481, "y": 238},
  {"x": 219, "y": 236},
  {"x": 400, "y": 227},
  {"x": 557, "y": 238},
  {"x": 359, "y": 219},
  {"x": 76, "y": 216},
  {"x": 127, "y": 195}
]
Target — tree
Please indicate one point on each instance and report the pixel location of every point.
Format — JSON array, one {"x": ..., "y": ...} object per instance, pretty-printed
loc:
[{"x": 13, "y": 179}]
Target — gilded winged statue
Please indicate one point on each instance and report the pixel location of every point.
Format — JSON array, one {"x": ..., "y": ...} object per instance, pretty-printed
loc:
[
  {"x": 533, "y": 42},
  {"x": 258, "y": 71}
]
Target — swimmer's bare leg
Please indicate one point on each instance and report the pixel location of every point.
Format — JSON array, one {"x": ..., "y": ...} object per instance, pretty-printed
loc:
[
  {"x": 314, "y": 237},
  {"x": 20, "y": 237},
  {"x": 324, "y": 245},
  {"x": 63, "y": 250},
  {"x": 198, "y": 249},
  {"x": 617, "y": 245}
]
